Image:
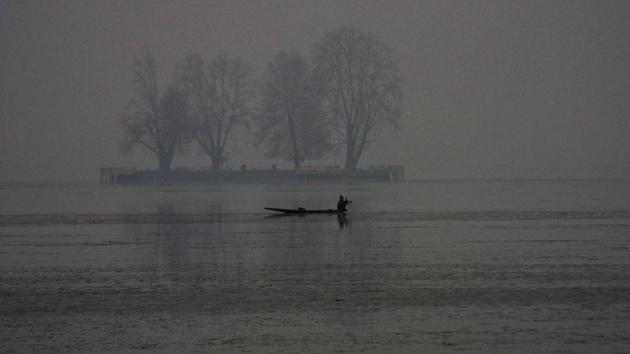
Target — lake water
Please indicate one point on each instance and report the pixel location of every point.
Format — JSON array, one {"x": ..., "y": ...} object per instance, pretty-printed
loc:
[{"x": 437, "y": 266}]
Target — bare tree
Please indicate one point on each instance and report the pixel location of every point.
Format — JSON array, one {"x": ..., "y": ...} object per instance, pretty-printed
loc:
[
  {"x": 218, "y": 95},
  {"x": 290, "y": 122},
  {"x": 361, "y": 87},
  {"x": 155, "y": 121}
]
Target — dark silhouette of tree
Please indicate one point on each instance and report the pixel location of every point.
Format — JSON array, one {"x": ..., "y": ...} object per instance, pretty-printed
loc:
[
  {"x": 360, "y": 85},
  {"x": 218, "y": 95},
  {"x": 158, "y": 122},
  {"x": 289, "y": 120}
]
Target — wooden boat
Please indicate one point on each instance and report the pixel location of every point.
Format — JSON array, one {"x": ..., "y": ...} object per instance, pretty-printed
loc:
[{"x": 306, "y": 211}]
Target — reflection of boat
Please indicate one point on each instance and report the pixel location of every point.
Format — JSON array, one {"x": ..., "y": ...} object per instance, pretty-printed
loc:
[{"x": 306, "y": 211}]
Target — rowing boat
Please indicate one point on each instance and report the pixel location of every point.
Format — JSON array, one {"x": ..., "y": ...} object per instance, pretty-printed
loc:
[{"x": 306, "y": 211}]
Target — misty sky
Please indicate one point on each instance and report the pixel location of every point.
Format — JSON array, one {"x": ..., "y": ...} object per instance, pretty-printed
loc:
[{"x": 493, "y": 89}]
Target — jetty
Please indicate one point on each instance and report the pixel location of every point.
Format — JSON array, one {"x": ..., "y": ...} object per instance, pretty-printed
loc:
[{"x": 130, "y": 175}]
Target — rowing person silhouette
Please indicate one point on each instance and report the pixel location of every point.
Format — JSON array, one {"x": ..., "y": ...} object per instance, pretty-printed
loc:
[{"x": 342, "y": 203}]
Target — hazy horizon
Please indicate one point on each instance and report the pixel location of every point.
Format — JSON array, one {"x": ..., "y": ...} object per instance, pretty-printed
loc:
[{"x": 492, "y": 90}]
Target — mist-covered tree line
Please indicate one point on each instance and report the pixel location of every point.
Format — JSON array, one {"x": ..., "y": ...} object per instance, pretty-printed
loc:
[{"x": 338, "y": 99}]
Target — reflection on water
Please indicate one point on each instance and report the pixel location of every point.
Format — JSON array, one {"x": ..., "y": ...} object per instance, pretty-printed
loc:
[
  {"x": 293, "y": 241},
  {"x": 282, "y": 256},
  {"x": 185, "y": 269},
  {"x": 342, "y": 220}
]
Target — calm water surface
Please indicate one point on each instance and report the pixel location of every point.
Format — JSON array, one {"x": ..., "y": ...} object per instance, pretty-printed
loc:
[{"x": 468, "y": 266}]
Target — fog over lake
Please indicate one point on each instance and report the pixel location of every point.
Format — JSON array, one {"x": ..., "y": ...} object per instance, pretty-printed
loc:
[
  {"x": 314, "y": 176},
  {"x": 527, "y": 89}
]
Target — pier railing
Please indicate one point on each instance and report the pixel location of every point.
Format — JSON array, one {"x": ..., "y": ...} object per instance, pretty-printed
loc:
[{"x": 111, "y": 175}]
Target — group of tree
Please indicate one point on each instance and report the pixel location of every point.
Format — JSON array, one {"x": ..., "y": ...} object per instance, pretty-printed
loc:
[{"x": 298, "y": 110}]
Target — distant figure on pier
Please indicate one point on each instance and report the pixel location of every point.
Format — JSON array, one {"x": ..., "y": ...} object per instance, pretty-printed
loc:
[{"x": 342, "y": 203}]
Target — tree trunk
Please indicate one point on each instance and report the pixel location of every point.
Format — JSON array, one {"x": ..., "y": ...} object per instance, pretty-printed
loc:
[
  {"x": 165, "y": 162},
  {"x": 351, "y": 162},
  {"x": 216, "y": 162},
  {"x": 296, "y": 157}
]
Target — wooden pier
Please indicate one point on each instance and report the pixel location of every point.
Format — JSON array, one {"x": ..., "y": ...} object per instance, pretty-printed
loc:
[
  {"x": 111, "y": 175},
  {"x": 130, "y": 175}
]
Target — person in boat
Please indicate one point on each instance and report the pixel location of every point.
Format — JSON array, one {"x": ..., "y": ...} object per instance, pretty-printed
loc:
[{"x": 342, "y": 203}]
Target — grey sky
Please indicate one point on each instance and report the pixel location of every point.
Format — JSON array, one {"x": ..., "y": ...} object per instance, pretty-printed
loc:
[{"x": 494, "y": 89}]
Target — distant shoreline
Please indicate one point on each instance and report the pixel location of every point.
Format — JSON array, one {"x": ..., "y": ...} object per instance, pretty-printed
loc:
[{"x": 92, "y": 181}]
